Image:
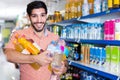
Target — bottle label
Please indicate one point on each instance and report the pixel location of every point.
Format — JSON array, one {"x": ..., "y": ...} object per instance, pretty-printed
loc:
[
  {"x": 37, "y": 46},
  {"x": 110, "y": 5},
  {"x": 25, "y": 51},
  {"x": 116, "y": 2}
]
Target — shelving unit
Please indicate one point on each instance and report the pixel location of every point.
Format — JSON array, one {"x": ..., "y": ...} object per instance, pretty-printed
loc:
[
  {"x": 92, "y": 69},
  {"x": 100, "y": 14},
  {"x": 104, "y": 42},
  {"x": 81, "y": 19},
  {"x": 109, "y": 14},
  {"x": 67, "y": 22}
]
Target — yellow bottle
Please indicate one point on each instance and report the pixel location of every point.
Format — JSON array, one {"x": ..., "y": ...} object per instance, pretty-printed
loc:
[
  {"x": 67, "y": 10},
  {"x": 110, "y": 4},
  {"x": 116, "y": 3},
  {"x": 76, "y": 8},
  {"x": 29, "y": 46},
  {"x": 25, "y": 44},
  {"x": 91, "y": 6},
  {"x": 79, "y": 8},
  {"x": 73, "y": 8},
  {"x": 18, "y": 46}
]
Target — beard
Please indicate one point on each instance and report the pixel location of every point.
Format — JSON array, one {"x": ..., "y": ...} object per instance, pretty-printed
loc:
[{"x": 38, "y": 30}]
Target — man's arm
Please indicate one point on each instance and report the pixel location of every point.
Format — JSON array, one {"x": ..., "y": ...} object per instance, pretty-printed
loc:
[{"x": 17, "y": 57}]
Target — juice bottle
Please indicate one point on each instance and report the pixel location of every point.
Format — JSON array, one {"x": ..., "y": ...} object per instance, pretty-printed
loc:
[
  {"x": 116, "y": 3},
  {"x": 18, "y": 46},
  {"x": 85, "y": 8},
  {"x": 29, "y": 46},
  {"x": 91, "y": 6},
  {"x": 67, "y": 10},
  {"x": 79, "y": 8},
  {"x": 110, "y": 4},
  {"x": 82, "y": 53},
  {"x": 22, "y": 44},
  {"x": 73, "y": 9},
  {"x": 76, "y": 8}
]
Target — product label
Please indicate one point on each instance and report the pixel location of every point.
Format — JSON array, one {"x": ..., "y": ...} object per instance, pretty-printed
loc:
[{"x": 25, "y": 51}]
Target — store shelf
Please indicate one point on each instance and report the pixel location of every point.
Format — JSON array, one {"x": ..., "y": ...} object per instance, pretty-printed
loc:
[
  {"x": 101, "y": 13},
  {"x": 103, "y": 42},
  {"x": 69, "y": 40},
  {"x": 65, "y": 22},
  {"x": 68, "y": 22},
  {"x": 77, "y": 20},
  {"x": 102, "y": 16},
  {"x": 95, "y": 70}
]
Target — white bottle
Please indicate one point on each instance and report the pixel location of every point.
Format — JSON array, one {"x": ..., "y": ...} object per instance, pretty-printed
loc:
[
  {"x": 97, "y": 6},
  {"x": 85, "y": 8}
]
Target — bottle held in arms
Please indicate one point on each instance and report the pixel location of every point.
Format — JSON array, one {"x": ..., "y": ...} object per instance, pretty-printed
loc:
[{"x": 27, "y": 47}]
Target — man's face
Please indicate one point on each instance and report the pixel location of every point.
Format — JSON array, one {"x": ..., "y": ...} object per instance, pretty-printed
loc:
[{"x": 38, "y": 19}]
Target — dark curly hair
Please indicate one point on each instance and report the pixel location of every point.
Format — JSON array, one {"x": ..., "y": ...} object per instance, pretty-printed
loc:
[{"x": 36, "y": 5}]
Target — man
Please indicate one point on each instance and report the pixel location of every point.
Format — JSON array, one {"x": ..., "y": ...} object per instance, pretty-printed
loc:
[{"x": 37, "y": 13}]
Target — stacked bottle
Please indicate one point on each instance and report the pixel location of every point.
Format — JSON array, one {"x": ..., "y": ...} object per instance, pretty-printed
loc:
[
  {"x": 78, "y": 8},
  {"x": 25, "y": 46}
]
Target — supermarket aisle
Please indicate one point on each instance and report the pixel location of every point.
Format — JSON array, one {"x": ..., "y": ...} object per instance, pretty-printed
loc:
[{"x": 7, "y": 69}]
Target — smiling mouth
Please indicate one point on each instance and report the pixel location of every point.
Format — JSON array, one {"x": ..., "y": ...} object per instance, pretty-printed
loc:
[{"x": 39, "y": 23}]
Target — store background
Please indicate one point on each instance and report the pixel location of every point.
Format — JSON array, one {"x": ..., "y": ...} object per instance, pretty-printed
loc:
[{"x": 74, "y": 31}]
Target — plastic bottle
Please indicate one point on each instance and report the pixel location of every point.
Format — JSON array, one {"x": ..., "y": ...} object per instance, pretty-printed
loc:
[
  {"x": 97, "y": 6},
  {"x": 76, "y": 8},
  {"x": 29, "y": 46},
  {"x": 67, "y": 10},
  {"x": 91, "y": 6},
  {"x": 116, "y": 3},
  {"x": 79, "y": 8},
  {"x": 73, "y": 9},
  {"x": 70, "y": 12},
  {"x": 85, "y": 8},
  {"x": 76, "y": 54},
  {"x": 104, "y": 5},
  {"x": 110, "y": 4},
  {"x": 24, "y": 43},
  {"x": 56, "y": 49},
  {"x": 18, "y": 46}
]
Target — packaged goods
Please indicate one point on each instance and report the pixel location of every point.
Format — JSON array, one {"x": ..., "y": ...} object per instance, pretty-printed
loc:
[{"x": 25, "y": 46}]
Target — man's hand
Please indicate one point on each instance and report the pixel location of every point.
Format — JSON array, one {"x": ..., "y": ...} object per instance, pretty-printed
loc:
[
  {"x": 61, "y": 70},
  {"x": 43, "y": 58}
]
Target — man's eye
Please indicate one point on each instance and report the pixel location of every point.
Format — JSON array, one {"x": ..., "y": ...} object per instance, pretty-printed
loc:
[
  {"x": 33, "y": 15},
  {"x": 43, "y": 15}
]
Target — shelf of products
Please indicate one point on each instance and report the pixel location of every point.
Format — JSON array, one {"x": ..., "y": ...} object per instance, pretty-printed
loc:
[
  {"x": 67, "y": 22},
  {"x": 77, "y": 20},
  {"x": 100, "y": 14},
  {"x": 104, "y": 42},
  {"x": 90, "y": 68}
]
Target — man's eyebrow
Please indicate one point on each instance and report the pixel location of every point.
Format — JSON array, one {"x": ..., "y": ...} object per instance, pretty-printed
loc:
[{"x": 40, "y": 13}]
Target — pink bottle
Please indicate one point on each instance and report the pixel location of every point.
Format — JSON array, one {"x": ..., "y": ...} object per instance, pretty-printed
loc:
[
  {"x": 106, "y": 30},
  {"x": 112, "y": 29}
]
